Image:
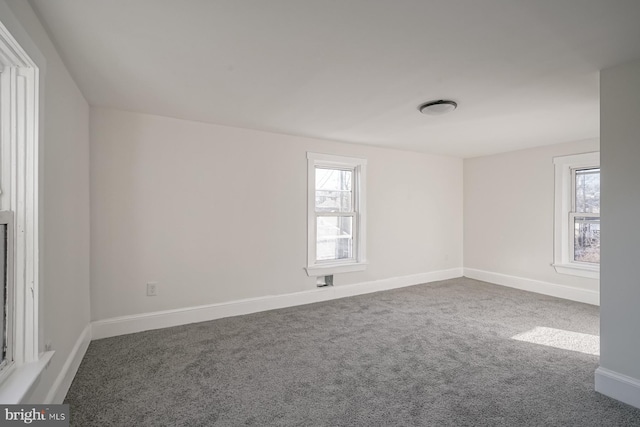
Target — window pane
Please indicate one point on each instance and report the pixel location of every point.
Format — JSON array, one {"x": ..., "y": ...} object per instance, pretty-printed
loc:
[
  {"x": 586, "y": 239},
  {"x": 588, "y": 190},
  {"x": 334, "y": 238},
  {"x": 333, "y": 190},
  {"x": 3, "y": 290}
]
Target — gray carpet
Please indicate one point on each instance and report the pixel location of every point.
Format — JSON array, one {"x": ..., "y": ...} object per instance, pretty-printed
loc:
[{"x": 439, "y": 354}]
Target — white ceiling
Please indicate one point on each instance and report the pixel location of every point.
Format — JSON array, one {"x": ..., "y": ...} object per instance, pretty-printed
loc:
[{"x": 524, "y": 72}]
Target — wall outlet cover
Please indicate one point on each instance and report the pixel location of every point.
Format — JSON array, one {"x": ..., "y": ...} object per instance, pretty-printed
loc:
[{"x": 152, "y": 289}]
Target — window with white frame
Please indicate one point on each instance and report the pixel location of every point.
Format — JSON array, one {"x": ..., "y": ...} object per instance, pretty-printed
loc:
[
  {"x": 22, "y": 362},
  {"x": 577, "y": 215},
  {"x": 336, "y": 214}
]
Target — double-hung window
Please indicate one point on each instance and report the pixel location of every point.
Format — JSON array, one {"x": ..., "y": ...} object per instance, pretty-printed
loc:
[
  {"x": 336, "y": 214},
  {"x": 577, "y": 216},
  {"x": 21, "y": 362}
]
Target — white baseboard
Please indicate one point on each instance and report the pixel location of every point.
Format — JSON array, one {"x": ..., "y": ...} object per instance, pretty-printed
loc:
[
  {"x": 182, "y": 316},
  {"x": 618, "y": 386},
  {"x": 63, "y": 381},
  {"x": 537, "y": 286}
]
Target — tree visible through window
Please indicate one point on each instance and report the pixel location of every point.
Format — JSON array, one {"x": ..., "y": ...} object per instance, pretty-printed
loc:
[
  {"x": 4, "y": 293},
  {"x": 577, "y": 215},
  {"x": 586, "y": 216},
  {"x": 7, "y": 311}
]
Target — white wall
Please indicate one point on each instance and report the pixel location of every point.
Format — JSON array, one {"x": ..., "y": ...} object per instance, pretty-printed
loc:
[
  {"x": 508, "y": 215},
  {"x": 216, "y": 214},
  {"x": 65, "y": 179},
  {"x": 620, "y": 290}
]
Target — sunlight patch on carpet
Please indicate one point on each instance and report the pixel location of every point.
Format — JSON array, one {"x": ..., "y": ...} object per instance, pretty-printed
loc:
[{"x": 565, "y": 340}]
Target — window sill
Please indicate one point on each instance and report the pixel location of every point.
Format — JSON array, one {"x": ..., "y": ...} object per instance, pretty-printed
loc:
[
  {"x": 327, "y": 269},
  {"x": 22, "y": 379},
  {"x": 578, "y": 270}
]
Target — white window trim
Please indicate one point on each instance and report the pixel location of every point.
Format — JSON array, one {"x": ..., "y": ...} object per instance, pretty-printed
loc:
[
  {"x": 19, "y": 194},
  {"x": 563, "y": 242},
  {"x": 359, "y": 263}
]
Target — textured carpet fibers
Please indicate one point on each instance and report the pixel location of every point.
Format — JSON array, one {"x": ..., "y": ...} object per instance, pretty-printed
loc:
[{"x": 440, "y": 354}]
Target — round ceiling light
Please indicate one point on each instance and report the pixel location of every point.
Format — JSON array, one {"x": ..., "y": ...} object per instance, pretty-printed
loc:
[{"x": 436, "y": 108}]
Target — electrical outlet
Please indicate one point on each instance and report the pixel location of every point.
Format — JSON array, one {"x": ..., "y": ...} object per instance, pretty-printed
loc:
[{"x": 152, "y": 289}]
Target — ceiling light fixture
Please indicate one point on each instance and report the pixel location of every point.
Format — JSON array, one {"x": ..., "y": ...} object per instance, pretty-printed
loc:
[{"x": 436, "y": 108}]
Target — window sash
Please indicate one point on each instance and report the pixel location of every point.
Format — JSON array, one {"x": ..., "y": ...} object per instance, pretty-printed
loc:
[
  {"x": 354, "y": 237},
  {"x": 6, "y": 218},
  {"x": 353, "y": 213},
  {"x": 341, "y": 214},
  {"x": 574, "y": 188},
  {"x": 353, "y": 191},
  {"x": 575, "y": 214},
  {"x": 572, "y": 235}
]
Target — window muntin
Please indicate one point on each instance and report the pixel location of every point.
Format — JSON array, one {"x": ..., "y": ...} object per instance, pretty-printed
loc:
[{"x": 336, "y": 214}]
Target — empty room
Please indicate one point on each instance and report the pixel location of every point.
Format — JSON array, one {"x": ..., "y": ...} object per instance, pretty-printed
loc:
[{"x": 322, "y": 213}]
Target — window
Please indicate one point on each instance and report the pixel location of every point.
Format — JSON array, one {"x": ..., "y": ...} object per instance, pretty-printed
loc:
[
  {"x": 336, "y": 214},
  {"x": 21, "y": 362},
  {"x": 577, "y": 215},
  {"x": 6, "y": 289},
  {"x": 585, "y": 216}
]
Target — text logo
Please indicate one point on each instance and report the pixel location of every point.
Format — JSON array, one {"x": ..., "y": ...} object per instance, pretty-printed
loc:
[{"x": 36, "y": 415}]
